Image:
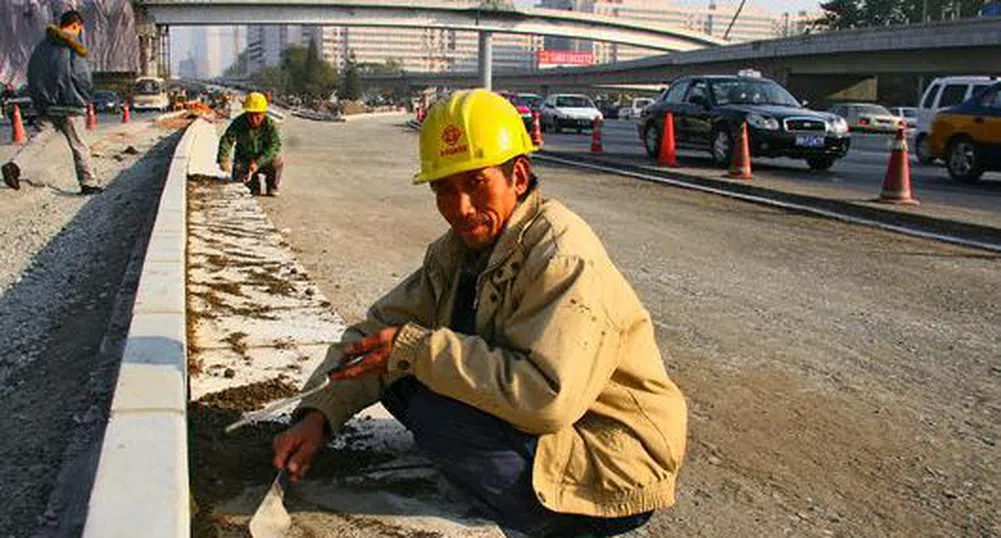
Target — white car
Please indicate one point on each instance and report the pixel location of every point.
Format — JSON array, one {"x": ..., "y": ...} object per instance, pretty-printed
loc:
[
  {"x": 568, "y": 111},
  {"x": 907, "y": 113},
  {"x": 942, "y": 93},
  {"x": 635, "y": 110}
]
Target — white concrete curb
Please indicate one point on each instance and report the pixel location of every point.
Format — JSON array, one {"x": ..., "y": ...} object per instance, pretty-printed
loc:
[
  {"x": 366, "y": 115},
  {"x": 141, "y": 485}
]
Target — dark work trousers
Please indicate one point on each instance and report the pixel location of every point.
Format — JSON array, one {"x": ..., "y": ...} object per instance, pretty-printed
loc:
[
  {"x": 272, "y": 175},
  {"x": 490, "y": 461}
]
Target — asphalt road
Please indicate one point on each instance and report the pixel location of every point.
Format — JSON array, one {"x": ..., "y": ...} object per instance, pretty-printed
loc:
[
  {"x": 842, "y": 381},
  {"x": 861, "y": 171}
]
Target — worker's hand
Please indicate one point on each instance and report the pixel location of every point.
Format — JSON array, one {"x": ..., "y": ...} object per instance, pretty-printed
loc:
[
  {"x": 376, "y": 348},
  {"x": 295, "y": 447},
  {"x": 226, "y": 166},
  {"x": 252, "y": 167}
]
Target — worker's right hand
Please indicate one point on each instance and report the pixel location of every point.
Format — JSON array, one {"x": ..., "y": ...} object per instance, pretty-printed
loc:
[
  {"x": 226, "y": 166},
  {"x": 295, "y": 447}
]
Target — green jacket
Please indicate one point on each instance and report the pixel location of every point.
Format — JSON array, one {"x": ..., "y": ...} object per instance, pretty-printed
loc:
[
  {"x": 261, "y": 144},
  {"x": 563, "y": 349}
]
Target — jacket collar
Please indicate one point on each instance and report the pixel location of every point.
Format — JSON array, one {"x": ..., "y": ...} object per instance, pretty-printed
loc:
[{"x": 57, "y": 34}]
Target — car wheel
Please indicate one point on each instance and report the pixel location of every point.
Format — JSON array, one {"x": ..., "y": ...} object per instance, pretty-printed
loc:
[
  {"x": 922, "y": 147},
  {"x": 820, "y": 163},
  {"x": 722, "y": 148},
  {"x": 963, "y": 161},
  {"x": 651, "y": 140}
]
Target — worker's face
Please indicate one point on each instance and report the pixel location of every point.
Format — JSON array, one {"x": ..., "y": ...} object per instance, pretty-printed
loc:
[
  {"x": 256, "y": 119},
  {"x": 73, "y": 29},
  {"x": 478, "y": 204}
]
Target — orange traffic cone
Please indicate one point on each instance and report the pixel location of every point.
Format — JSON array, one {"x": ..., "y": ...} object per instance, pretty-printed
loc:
[
  {"x": 740, "y": 163},
  {"x": 596, "y": 136},
  {"x": 897, "y": 184},
  {"x": 668, "y": 155},
  {"x": 91, "y": 118},
  {"x": 19, "y": 136},
  {"x": 126, "y": 114},
  {"x": 536, "y": 129}
]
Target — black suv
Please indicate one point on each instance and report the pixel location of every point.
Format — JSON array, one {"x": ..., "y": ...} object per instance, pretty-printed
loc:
[{"x": 709, "y": 110}]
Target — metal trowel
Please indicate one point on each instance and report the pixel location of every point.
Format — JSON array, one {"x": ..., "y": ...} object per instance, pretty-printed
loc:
[{"x": 271, "y": 520}]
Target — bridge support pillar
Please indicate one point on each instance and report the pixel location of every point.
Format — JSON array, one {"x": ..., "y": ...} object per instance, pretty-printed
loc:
[{"x": 486, "y": 60}]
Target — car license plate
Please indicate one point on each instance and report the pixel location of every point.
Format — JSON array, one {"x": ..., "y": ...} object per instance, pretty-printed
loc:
[{"x": 810, "y": 141}]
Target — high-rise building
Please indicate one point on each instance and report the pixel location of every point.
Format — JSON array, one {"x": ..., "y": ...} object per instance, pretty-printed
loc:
[{"x": 266, "y": 42}]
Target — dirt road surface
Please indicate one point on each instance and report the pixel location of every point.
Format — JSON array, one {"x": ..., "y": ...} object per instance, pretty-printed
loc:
[
  {"x": 63, "y": 260},
  {"x": 842, "y": 381}
]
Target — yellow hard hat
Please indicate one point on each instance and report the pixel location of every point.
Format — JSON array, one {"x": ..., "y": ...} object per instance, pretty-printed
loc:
[
  {"x": 255, "y": 102},
  {"x": 472, "y": 129}
]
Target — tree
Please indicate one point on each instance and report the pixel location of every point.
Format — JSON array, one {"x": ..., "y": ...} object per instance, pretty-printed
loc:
[
  {"x": 352, "y": 79},
  {"x": 847, "y": 14},
  {"x": 294, "y": 66},
  {"x": 274, "y": 79},
  {"x": 239, "y": 66},
  {"x": 320, "y": 77}
]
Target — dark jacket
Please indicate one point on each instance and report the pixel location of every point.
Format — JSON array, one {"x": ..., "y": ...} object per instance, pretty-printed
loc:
[
  {"x": 261, "y": 144},
  {"x": 59, "y": 80}
]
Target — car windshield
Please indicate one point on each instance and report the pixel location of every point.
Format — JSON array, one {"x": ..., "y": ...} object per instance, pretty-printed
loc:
[
  {"x": 531, "y": 101},
  {"x": 574, "y": 101},
  {"x": 752, "y": 92},
  {"x": 147, "y": 87},
  {"x": 872, "y": 110},
  {"x": 910, "y": 113},
  {"x": 104, "y": 95}
]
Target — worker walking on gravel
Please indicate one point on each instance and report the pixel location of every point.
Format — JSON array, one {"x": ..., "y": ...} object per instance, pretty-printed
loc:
[
  {"x": 258, "y": 147},
  {"x": 60, "y": 87},
  {"x": 518, "y": 355}
]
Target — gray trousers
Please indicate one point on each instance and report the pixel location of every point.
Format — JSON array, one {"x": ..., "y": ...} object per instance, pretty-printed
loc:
[{"x": 72, "y": 128}]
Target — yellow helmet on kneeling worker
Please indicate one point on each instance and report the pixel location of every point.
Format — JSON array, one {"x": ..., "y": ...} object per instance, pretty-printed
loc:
[
  {"x": 469, "y": 130},
  {"x": 255, "y": 102}
]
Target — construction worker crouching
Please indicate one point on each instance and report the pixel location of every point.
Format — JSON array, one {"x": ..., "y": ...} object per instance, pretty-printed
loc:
[
  {"x": 518, "y": 355},
  {"x": 258, "y": 147}
]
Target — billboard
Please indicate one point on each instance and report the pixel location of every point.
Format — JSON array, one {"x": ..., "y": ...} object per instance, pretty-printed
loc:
[{"x": 561, "y": 58}]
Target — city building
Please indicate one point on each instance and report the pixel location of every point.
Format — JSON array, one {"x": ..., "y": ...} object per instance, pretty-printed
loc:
[{"x": 713, "y": 19}]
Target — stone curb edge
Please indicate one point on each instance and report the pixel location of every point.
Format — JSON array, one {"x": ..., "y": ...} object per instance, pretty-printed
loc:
[{"x": 142, "y": 478}]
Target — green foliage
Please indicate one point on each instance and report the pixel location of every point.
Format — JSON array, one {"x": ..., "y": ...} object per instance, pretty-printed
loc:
[
  {"x": 302, "y": 72},
  {"x": 274, "y": 79},
  {"x": 847, "y": 14},
  {"x": 239, "y": 66},
  {"x": 352, "y": 80}
]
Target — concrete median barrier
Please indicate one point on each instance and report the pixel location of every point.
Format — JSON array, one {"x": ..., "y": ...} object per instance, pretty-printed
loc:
[{"x": 141, "y": 485}]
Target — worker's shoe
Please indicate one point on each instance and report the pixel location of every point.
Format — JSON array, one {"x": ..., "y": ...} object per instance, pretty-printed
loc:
[
  {"x": 88, "y": 190},
  {"x": 12, "y": 176},
  {"x": 273, "y": 192}
]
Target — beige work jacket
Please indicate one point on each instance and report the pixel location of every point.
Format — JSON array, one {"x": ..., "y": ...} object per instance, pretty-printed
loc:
[{"x": 563, "y": 350}]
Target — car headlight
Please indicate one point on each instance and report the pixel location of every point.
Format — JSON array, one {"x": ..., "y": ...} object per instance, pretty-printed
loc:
[
  {"x": 762, "y": 122},
  {"x": 839, "y": 126}
]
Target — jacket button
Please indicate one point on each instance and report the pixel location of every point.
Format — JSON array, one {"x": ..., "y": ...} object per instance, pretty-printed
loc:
[
  {"x": 515, "y": 266},
  {"x": 403, "y": 365},
  {"x": 493, "y": 297},
  {"x": 542, "y": 498}
]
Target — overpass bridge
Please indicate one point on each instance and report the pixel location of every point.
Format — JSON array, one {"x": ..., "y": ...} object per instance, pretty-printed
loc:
[
  {"x": 486, "y": 19},
  {"x": 827, "y": 62}
]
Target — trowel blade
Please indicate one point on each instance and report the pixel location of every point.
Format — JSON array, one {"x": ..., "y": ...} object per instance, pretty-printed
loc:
[{"x": 271, "y": 520}]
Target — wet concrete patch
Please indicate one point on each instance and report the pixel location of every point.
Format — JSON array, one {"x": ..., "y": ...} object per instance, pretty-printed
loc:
[{"x": 257, "y": 327}]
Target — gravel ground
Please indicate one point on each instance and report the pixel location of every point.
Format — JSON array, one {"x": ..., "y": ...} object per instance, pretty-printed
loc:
[
  {"x": 842, "y": 381},
  {"x": 62, "y": 263}
]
